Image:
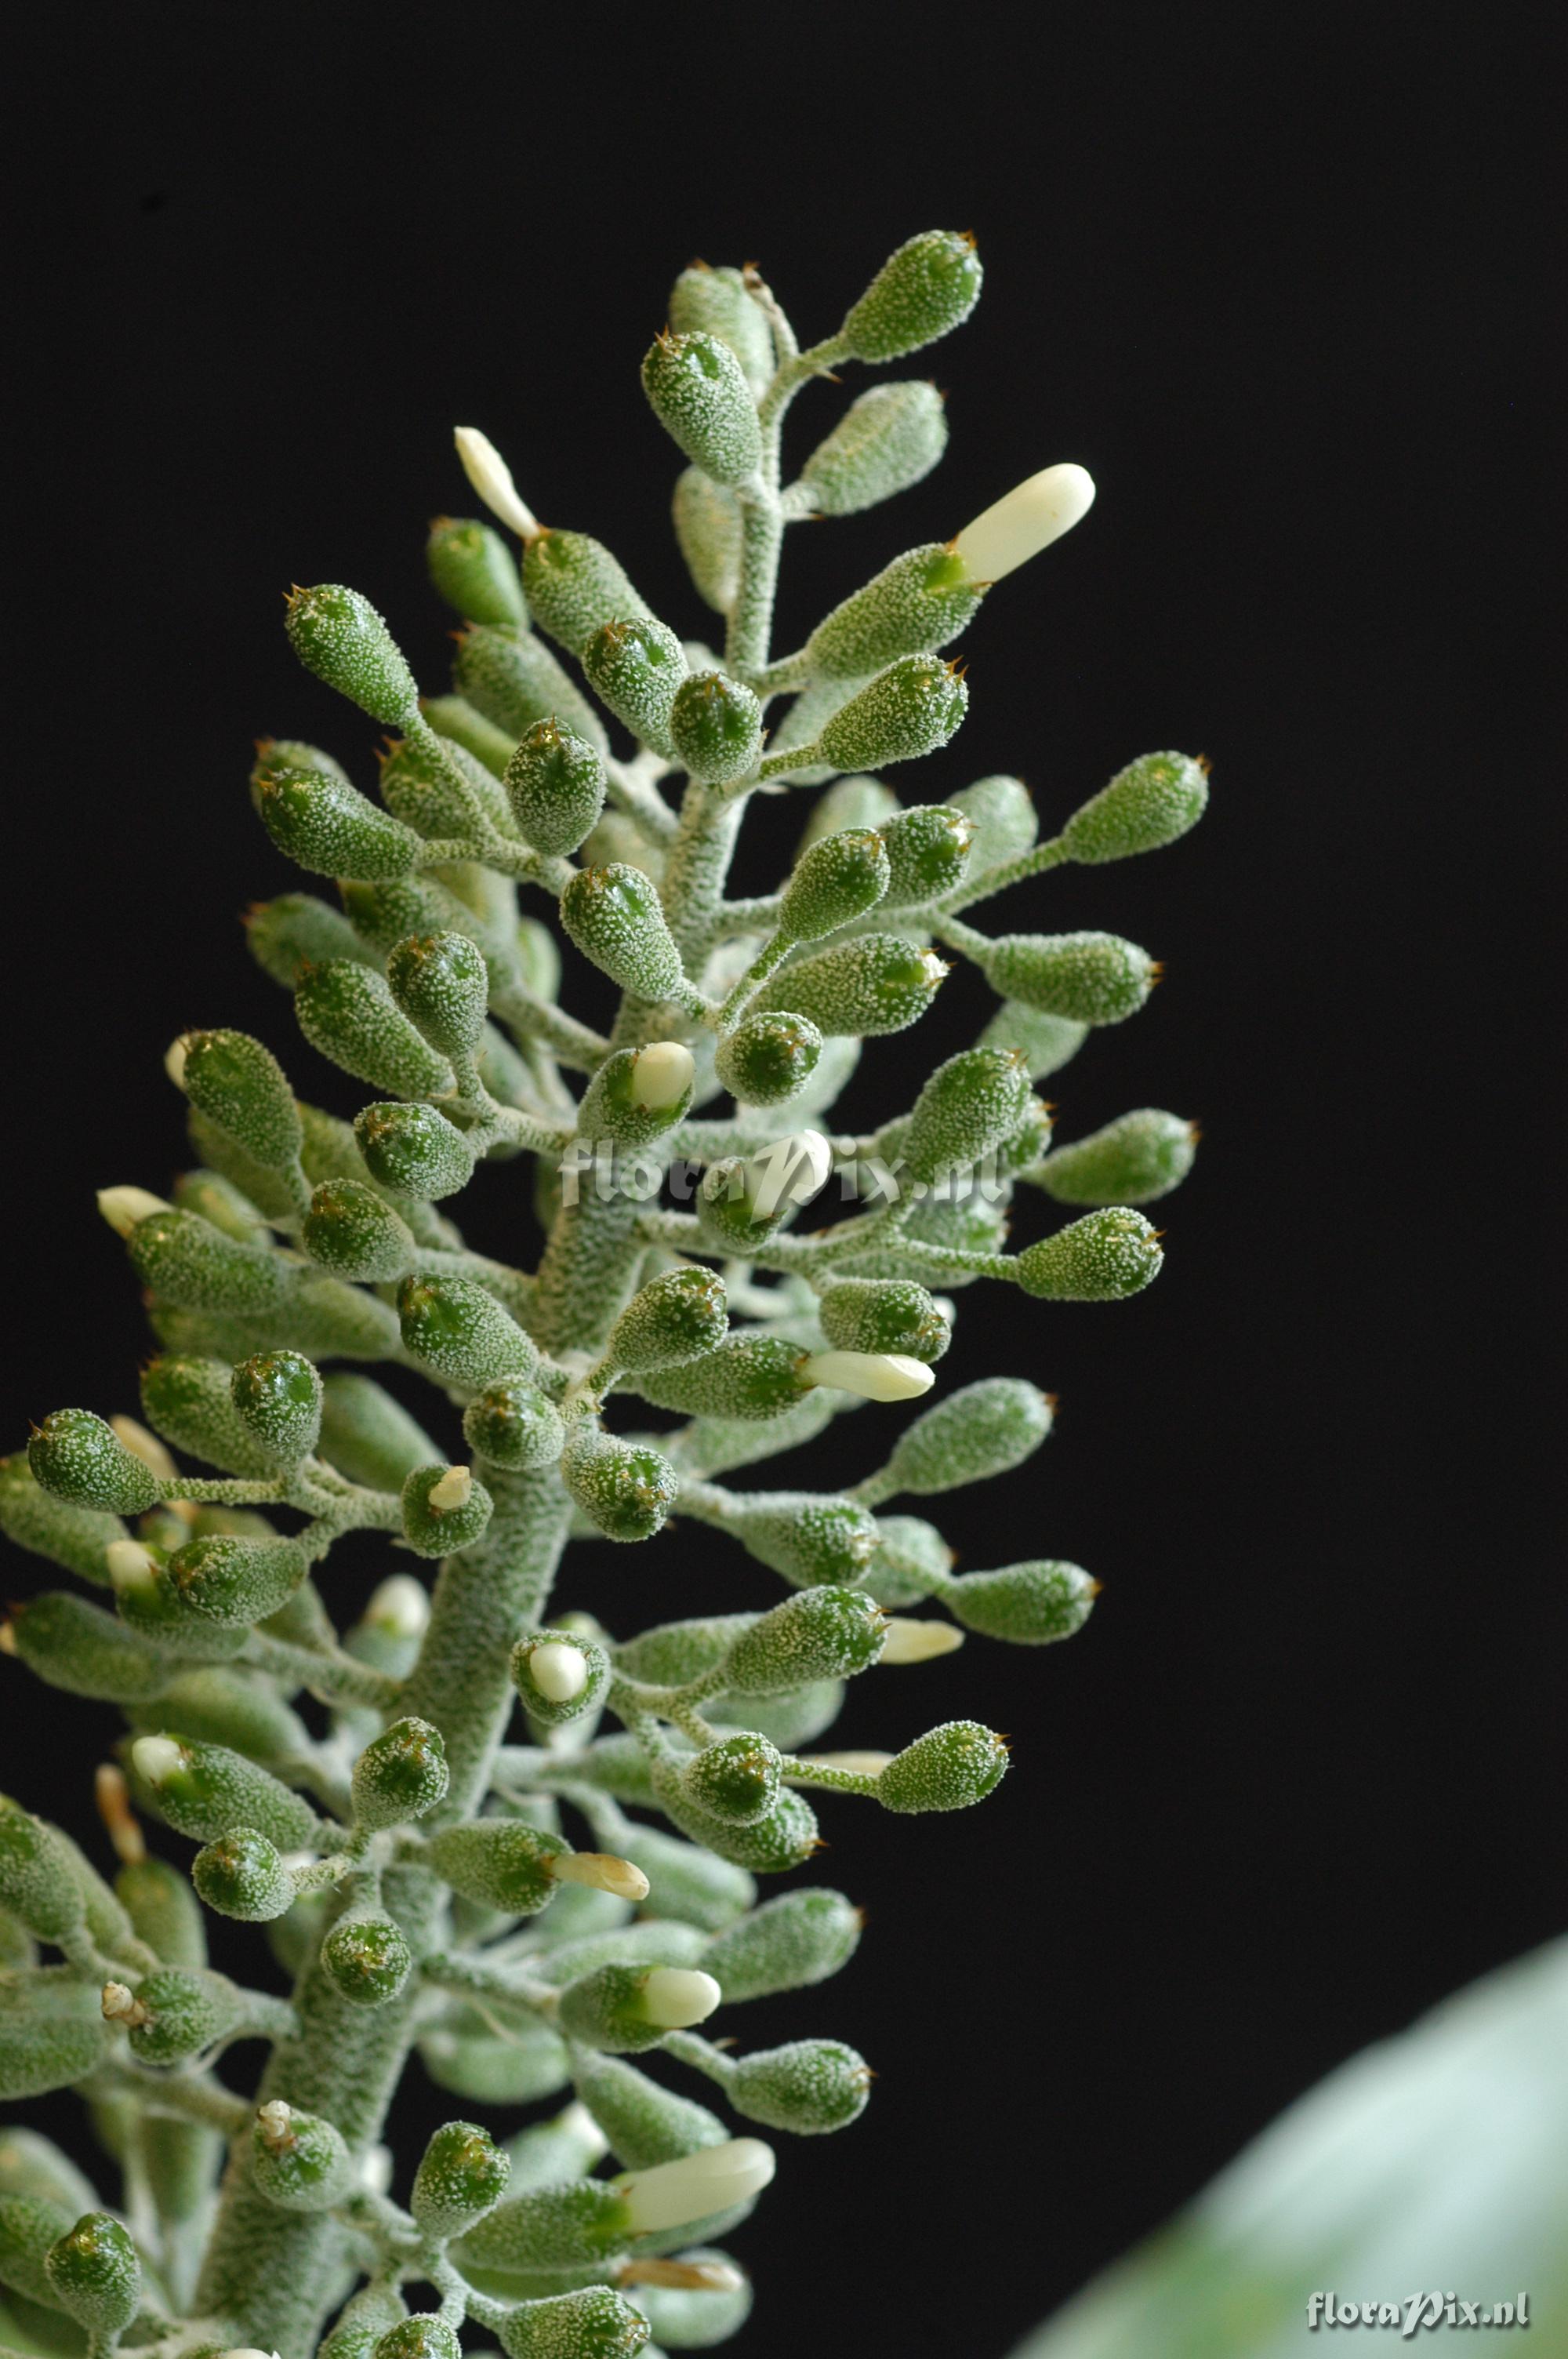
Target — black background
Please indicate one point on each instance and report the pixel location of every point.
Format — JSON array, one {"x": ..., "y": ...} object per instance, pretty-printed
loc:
[{"x": 1281, "y": 284}]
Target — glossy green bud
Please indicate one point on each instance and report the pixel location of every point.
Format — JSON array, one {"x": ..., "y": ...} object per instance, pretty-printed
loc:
[
  {"x": 458, "y": 1330},
  {"x": 837, "y": 880},
  {"x": 970, "y": 1106},
  {"x": 327, "y": 826},
  {"x": 1132, "y": 1160},
  {"x": 634, "y": 666},
  {"x": 716, "y": 726},
  {"x": 637, "y": 1095},
  {"x": 673, "y": 1318},
  {"x": 874, "y": 984},
  {"x": 809, "y": 1537},
  {"x": 191, "y": 1402},
  {"x": 188, "y": 2009},
  {"x": 96, "y": 2275},
  {"x": 559, "y": 1675},
  {"x": 367, "y": 1435},
  {"x": 697, "y": 391},
  {"x": 240, "y": 1085},
  {"x": 746, "y": 1376},
  {"x": 298, "y": 2160},
  {"x": 445, "y": 1509},
  {"x": 514, "y": 1424},
  {"x": 556, "y": 783},
  {"x": 574, "y": 586},
  {"x": 414, "y": 1150},
  {"x": 706, "y": 518},
  {"x": 981, "y": 1430},
  {"x": 1029, "y": 1604},
  {"x": 929, "y": 852},
  {"x": 926, "y": 286},
  {"x": 877, "y": 1314},
  {"x": 595, "y": 2324},
  {"x": 887, "y": 440},
  {"x": 947, "y": 1769},
  {"x": 769, "y": 1058},
  {"x": 461, "y": 2176},
  {"x": 502, "y": 1863},
  {"x": 204, "y": 1790},
  {"x": 234, "y": 1581},
  {"x": 787, "y": 1944},
  {"x": 355, "y": 1234},
  {"x": 367, "y": 1959},
  {"x": 737, "y": 1778},
  {"x": 1091, "y": 978},
  {"x": 296, "y": 931},
  {"x": 277, "y": 1398},
  {"x": 1104, "y": 1257},
  {"x": 425, "y": 2335},
  {"x": 401, "y": 1774},
  {"x": 646, "y": 2124},
  {"x": 715, "y": 302},
  {"x": 626, "y": 2008},
  {"x": 339, "y": 635},
  {"x": 348, "y": 1012},
  {"x": 625, "y": 1489},
  {"x": 36, "y": 1886},
  {"x": 916, "y": 604},
  {"x": 909, "y": 710},
  {"x": 615, "y": 918},
  {"x": 80, "y": 1458},
  {"x": 1148, "y": 805},
  {"x": 442, "y": 984},
  {"x": 809, "y": 2086},
  {"x": 66, "y": 1534},
  {"x": 825, "y": 1632},
  {"x": 242, "y": 1874},
  {"x": 472, "y": 568},
  {"x": 80, "y": 1649}
]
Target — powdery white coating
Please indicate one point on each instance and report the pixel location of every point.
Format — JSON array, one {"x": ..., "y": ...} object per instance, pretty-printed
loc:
[
  {"x": 1024, "y": 521},
  {"x": 712, "y": 2180},
  {"x": 124, "y": 1207},
  {"x": 157, "y": 1759},
  {"x": 873, "y": 1375},
  {"x": 906, "y": 1641},
  {"x": 491, "y": 477},
  {"x": 677, "y": 1996},
  {"x": 559, "y": 1672},
  {"x": 454, "y": 1490},
  {"x": 400, "y": 1605},
  {"x": 662, "y": 1075}
]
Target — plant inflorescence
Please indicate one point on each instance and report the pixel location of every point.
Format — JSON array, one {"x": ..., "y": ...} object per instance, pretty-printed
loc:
[{"x": 392, "y": 1798}]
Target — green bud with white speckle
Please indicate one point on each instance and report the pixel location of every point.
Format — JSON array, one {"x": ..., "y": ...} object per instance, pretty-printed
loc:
[
  {"x": 886, "y": 442},
  {"x": 298, "y": 2160},
  {"x": 715, "y": 302},
  {"x": 826, "y": 1633},
  {"x": 926, "y": 289},
  {"x": 981, "y": 1430},
  {"x": 473, "y": 569},
  {"x": 367, "y": 1959},
  {"x": 916, "y": 604},
  {"x": 445, "y": 1509},
  {"x": 1146, "y": 806},
  {"x": 203, "y": 1790},
  {"x": 769, "y": 1058},
  {"x": 1104, "y": 1257},
  {"x": 929, "y": 852},
  {"x": 574, "y": 587},
  {"x": 514, "y": 1424},
  {"x": 625, "y": 1489},
  {"x": 949, "y": 1768},
  {"x": 1031, "y": 1605},
  {"x": 737, "y": 1778},
  {"x": 808, "y": 1536},
  {"x": 615, "y": 918},
  {"x": 969, "y": 1107},
  {"x": 462, "y": 2175},
  {"x": 188, "y": 1262},
  {"x": 595, "y": 2324},
  {"x": 837, "y": 880},
  {"x": 401, "y": 1774},
  {"x": 81, "y": 1459},
  {"x": 746, "y": 1376},
  {"x": 505, "y": 1862},
  {"x": 556, "y": 784},
  {"x": 625, "y": 2009},
  {"x": 414, "y": 1150},
  {"x": 808, "y": 2087},
  {"x": 240, "y": 1085},
  {"x": 716, "y": 728},
  {"x": 673, "y": 1318},
  {"x": 697, "y": 391},
  {"x": 442, "y": 984},
  {"x": 95, "y": 2274},
  {"x": 1134, "y": 1159},
  {"x": 296, "y": 930},
  {"x": 790, "y": 1943},
  {"x": 37, "y": 1887},
  {"x": 242, "y": 1876},
  {"x": 456, "y": 1328},
  {"x": 186, "y": 2010},
  {"x": 634, "y": 666},
  {"x": 874, "y": 984},
  {"x": 233, "y": 1581},
  {"x": 355, "y": 1232},
  {"x": 339, "y": 635},
  {"x": 327, "y": 826},
  {"x": 874, "y": 1314},
  {"x": 347, "y": 1012},
  {"x": 908, "y": 711},
  {"x": 1090, "y": 978}
]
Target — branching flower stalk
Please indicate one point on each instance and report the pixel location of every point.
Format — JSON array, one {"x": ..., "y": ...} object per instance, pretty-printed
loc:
[{"x": 481, "y": 1829}]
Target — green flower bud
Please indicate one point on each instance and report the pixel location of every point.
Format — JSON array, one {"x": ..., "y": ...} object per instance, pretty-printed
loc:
[
  {"x": 981, "y": 1430},
  {"x": 638, "y": 1095},
  {"x": 401, "y": 1774},
  {"x": 355, "y": 1234},
  {"x": 327, "y": 826},
  {"x": 737, "y": 1779},
  {"x": 671, "y": 1319},
  {"x": 1089, "y": 977},
  {"x": 444, "y": 1509},
  {"x": 615, "y": 918},
  {"x": 595, "y": 2324},
  {"x": 367, "y": 1435},
  {"x": 96, "y": 2275},
  {"x": 277, "y": 1398},
  {"x": 625, "y": 2009},
  {"x": 438, "y": 791},
  {"x": 223, "y": 1706},
  {"x": 204, "y": 1790},
  {"x": 927, "y": 287},
  {"x": 188, "y": 1263},
  {"x": 297, "y": 930},
  {"x": 29, "y": 2224},
  {"x": 459, "y": 1332},
  {"x": 462, "y": 2054},
  {"x": 969, "y": 1107},
  {"x": 559, "y": 1675},
  {"x": 514, "y": 1424},
  {"x": 1001, "y": 812},
  {"x": 242, "y": 1874},
  {"x": 809, "y": 2086},
  {"x": 746, "y": 1376},
  {"x": 472, "y": 568},
  {"x": 909, "y": 710},
  {"x": 837, "y": 880},
  {"x": 781, "y": 1839},
  {"x": 1104, "y": 1257},
  {"x": 805, "y": 1536},
  {"x": 787, "y": 1944},
  {"x": 216, "y": 1200},
  {"x": 349, "y": 1014},
  {"x": 634, "y": 666},
  {"x": 706, "y": 518},
  {"x": 191, "y": 1402},
  {"x": 186, "y": 2010},
  {"x": 339, "y": 635},
  {"x": 39, "y": 2054},
  {"x": 574, "y": 586},
  {"x": 36, "y": 1886},
  {"x": 947, "y": 1769},
  {"x": 729, "y": 1220},
  {"x": 869, "y": 1314},
  {"x": 769, "y": 1058},
  {"x": 929, "y": 852},
  {"x": 715, "y": 302},
  {"x": 86, "y": 1652},
  {"x": 75, "y": 1537},
  {"x": 887, "y": 441},
  {"x": 916, "y": 604},
  {"x": 625, "y": 1489},
  {"x": 163, "y": 1909},
  {"x": 874, "y": 984},
  {"x": 1045, "y": 1042},
  {"x": 461, "y": 2176},
  {"x": 414, "y": 1150},
  {"x": 367, "y": 1958},
  {"x": 825, "y": 1632},
  {"x": 911, "y": 1562},
  {"x": 644, "y": 2124},
  {"x": 671, "y": 1653},
  {"x": 1030, "y": 1604},
  {"x": 240, "y": 1085},
  {"x": 298, "y": 2160},
  {"x": 502, "y": 1863},
  {"x": 442, "y": 984},
  {"x": 80, "y": 1458},
  {"x": 513, "y": 681},
  {"x": 555, "y": 782},
  {"x": 363, "y": 2322},
  {"x": 716, "y": 726},
  {"x": 426, "y": 2335},
  {"x": 1132, "y": 1160},
  {"x": 236, "y": 1582},
  {"x": 697, "y": 391},
  {"x": 1148, "y": 804}
]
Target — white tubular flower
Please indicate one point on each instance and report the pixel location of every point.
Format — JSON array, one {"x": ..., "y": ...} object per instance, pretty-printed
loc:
[
  {"x": 602, "y": 1871},
  {"x": 243, "y": 2351},
  {"x": 1024, "y": 521},
  {"x": 129, "y": 1565},
  {"x": 874, "y": 1376},
  {"x": 174, "y": 1061},
  {"x": 400, "y": 1605},
  {"x": 662, "y": 1075},
  {"x": 790, "y": 1171},
  {"x": 711, "y": 2179},
  {"x": 454, "y": 1490},
  {"x": 157, "y": 1759},
  {"x": 124, "y": 1207},
  {"x": 491, "y": 477},
  {"x": 145, "y": 1446},
  {"x": 558, "y": 1669},
  {"x": 675, "y": 1997},
  {"x": 906, "y": 1641}
]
